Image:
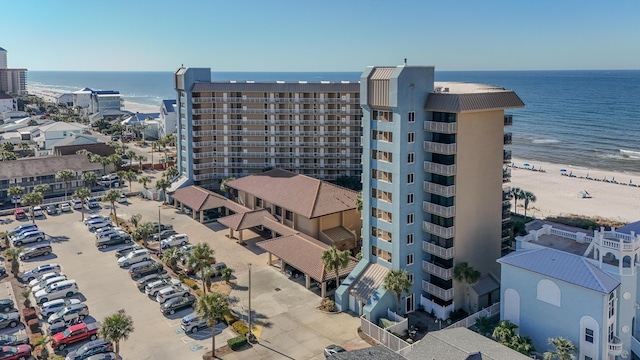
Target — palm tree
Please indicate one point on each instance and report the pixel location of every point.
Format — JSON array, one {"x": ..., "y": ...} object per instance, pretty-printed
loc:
[
  {"x": 116, "y": 160},
  {"x": 65, "y": 176},
  {"x": 163, "y": 185},
  {"x": 135, "y": 220},
  {"x": 32, "y": 199},
  {"x": 7, "y": 156},
  {"x": 90, "y": 178},
  {"x": 528, "y": 197},
  {"x": 143, "y": 231},
  {"x": 14, "y": 254},
  {"x": 131, "y": 155},
  {"x": 117, "y": 327},
  {"x": 359, "y": 202},
  {"x": 201, "y": 257},
  {"x": 504, "y": 332},
  {"x": 522, "y": 344},
  {"x": 140, "y": 159},
  {"x": 516, "y": 193},
  {"x": 15, "y": 191},
  {"x": 144, "y": 180},
  {"x": 130, "y": 176},
  {"x": 565, "y": 349},
  {"x": 24, "y": 146},
  {"x": 8, "y": 146},
  {"x": 171, "y": 257},
  {"x": 226, "y": 274},
  {"x": 42, "y": 189},
  {"x": 335, "y": 260},
  {"x": 83, "y": 194},
  {"x": 462, "y": 272},
  {"x": 212, "y": 306},
  {"x": 171, "y": 172},
  {"x": 483, "y": 324},
  {"x": 398, "y": 282},
  {"x": 224, "y": 187},
  {"x": 104, "y": 161},
  {"x": 40, "y": 346},
  {"x": 112, "y": 196}
]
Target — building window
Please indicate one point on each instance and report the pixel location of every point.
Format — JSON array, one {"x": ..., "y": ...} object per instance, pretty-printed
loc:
[
  {"x": 410, "y": 259},
  {"x": 278, "y": 211},
  {"x": 409, "y": 219},
  {"x": 410, "y": 199},
  {"x": 258, "y": 202},
  {"x": 588, "y": 357},
  {"x": 412, "y": 116},
  {"x": 374, "y": 251},
  {"x": 411, "y": 278},
  {"x": 588, "y": 335},
  {"x": 410, "y": 178},
  {"x": 411, "y": 157},
  {"x": 288, "y": 215},
  {"x": 411, "y": 137},
  {"x": 409, "y": 239}
]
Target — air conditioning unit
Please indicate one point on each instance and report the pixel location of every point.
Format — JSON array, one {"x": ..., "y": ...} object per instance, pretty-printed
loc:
[{"x": 344, "y": 109}]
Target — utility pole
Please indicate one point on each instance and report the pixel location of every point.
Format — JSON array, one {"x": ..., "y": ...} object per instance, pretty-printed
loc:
[
  {"x": 249, "y": 334},
  {"x": 159, "y": 241}
]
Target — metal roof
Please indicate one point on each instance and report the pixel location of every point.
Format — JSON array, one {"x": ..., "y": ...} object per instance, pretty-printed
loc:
[
  {"x": 368, "y": 282},
  {"x": 382, "y": 73},
  {"x": 448, "y": 102},
  {"x": 564, "y": 266},
  {"x": 277, "y": 86},
  {"x": 485, "y": 285}
]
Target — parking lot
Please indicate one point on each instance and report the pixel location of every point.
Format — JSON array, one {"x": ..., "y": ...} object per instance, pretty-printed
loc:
[{"x": 288, "y": 316}]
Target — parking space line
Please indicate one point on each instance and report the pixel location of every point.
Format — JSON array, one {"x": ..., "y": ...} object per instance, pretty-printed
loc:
[{"x": 171, "y": 325}]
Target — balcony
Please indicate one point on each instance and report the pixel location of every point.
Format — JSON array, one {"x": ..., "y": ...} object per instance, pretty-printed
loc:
[
  {"x": 615, "y": 346},
  {"x": 436, "y": 270},
  {"x": 439, "y": 148},
  {"x": 440, "y": 127},
  {"x": 508, "y": 138},
  {"x": 508, "y": 120},
  {"x": 435, "y": 209},
  {"x": 437, "y": 291},
  {"x": 506, "y": 175},
  {"x": 443, "y": 232},
  {"x": 440, "y": 169},
  {"x": 439, "y": 251},
  {"x": 506, "y": 156},
  {"x": 442, "y": 190}
]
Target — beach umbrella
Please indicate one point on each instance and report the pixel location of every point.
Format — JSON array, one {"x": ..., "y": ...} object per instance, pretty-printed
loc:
[
  {"x": 525, "y": 164},
  {"x": 563, "y": 170},
  {"x": 630, "y": 181}
]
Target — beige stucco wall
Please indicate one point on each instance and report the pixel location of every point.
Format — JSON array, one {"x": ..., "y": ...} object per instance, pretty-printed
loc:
[
  {"x": 308, "y": 226},
  {"x": 352, "y": 220},
  {"x": 330, "y": 221}
]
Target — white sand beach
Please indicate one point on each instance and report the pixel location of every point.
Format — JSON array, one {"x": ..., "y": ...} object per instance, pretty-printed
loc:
[{"x": 557, "y": 194}]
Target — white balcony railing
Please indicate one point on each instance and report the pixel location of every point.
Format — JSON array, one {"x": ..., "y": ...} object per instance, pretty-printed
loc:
[
  {"x": 438, "y": 148},
  {"x": 438, "y": 230},
  {"x": 440, "y": 127},
  {"x": 446, "y": 170},
  {"x": 437, "y": 291},
  {"x": 436, "y": 270},
  {"x": 442, "y": 190},
  {"x": 615, "y": 346},
  {"x": 439, "y": 251},
  {"x": 444, "y": 211}
]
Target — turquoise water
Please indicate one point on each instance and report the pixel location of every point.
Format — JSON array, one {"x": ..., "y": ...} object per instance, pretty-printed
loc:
[{"x": 583, "y": 118}]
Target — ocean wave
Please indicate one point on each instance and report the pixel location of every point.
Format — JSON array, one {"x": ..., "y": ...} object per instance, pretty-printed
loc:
[
  {"x": 629, "y": 154},
  {"x": 545, "y": 141}
]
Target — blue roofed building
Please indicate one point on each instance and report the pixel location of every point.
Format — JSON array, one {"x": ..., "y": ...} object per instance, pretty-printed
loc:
[
  {"x": 580, "y": 285},
  {"x": 168, "y": 118}
]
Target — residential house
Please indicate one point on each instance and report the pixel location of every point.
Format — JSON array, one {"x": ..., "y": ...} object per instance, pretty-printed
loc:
[
  {"x": 48, "y": 135},
  {"x": 82, "y": 98},
  {"x": 7, "y": 103},
  {"x": 168, "y": 118},
  {"x": 65, "y": 99}
]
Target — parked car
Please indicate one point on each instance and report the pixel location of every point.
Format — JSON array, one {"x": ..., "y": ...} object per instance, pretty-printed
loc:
[
  {"x": 143, "y": 281},
  {"x": 103, "y": 356},
  {"x": 20, "y": 352},
  {"x": 172, "y": 292},
  {"x": 28, "y": 237},
  {"x": 333, "y": 349},
  {"x": 69, "y": 313},
  {"x": 177, "y": 303},
  {"x": 64, "y": 207},
  {"x": 95, "y": 225},
  {"x": 156, "y": 224},
  {"x": 3, "y": 271},
  {"x": 164, "y": 234},
  {"x": 44, "y": 283},
  {"x": 89, "y": 218},
  {"x": 122, "y": 199},
  {"x": 58, "y": 290},
  {"x": 152, "y": 289},
  {"x": 193, "y": 323},
  {"x": 76, "y": 204},
  {"x": 22, "y": 228},
  {"x": 52, "y": 209},
  {"x": 51, "y": 307},
  {"x": 33, "y": 273},
  {"x": 6, "y": 305},
  {"x": 217, "y": 269},
  {"x": 122, "y": 251},
  {"x": 19, "y": 214},
  {"x": 10, "y": 319},
  {"x": 16, "y": 199},
  {"x": 133, "y": 257},
  {"x": 75, "y": 333},
  {"x": 37, "y": 211},
  {"x": 14, "y": 340},
  {"x": 93, "y": 203},
  {"x": 174, "y": 240},
  {"x": 60, "y": 327},
  {"x": 89, "y": 349},
  {"x": 45, "y": 276},
  {"x": 35, "y": 251},
  {"x": 113, "y": 239},
  {"x": 145, "y": 268}
]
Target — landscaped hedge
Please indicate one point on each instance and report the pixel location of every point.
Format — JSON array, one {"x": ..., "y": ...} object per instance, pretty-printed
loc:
[
  {"x": 237, "y": 342},
  {"x": 190, "y": 283},
  {"x": 229, "y": 318},
  {"x": 240, "y": 327}
]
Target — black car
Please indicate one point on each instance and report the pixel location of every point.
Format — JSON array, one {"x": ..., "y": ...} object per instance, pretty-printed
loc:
[
  {"x": 91, "y": 348},
  {"x": 6, "y": 305},
  {"x": 14, "y": 340},
  {"x": 113, "y": 239},
  {"x": 172, "y": 305},
  {"x": 3, "y": 271},
  {"x": 61, "y": 326},
  {"x": 52, "y": 209},
  {"x": 163, "y": 235},
  {"x": 126, "y": 249}
]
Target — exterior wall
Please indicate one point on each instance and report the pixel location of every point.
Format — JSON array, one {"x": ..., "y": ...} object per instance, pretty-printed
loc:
[
  {"x": 330, "y": 221},
  {"x": 46, "y": 140},
  {"x": 352, "y": 221},
  {"x": 57, "y": 187},
  {"x": 13, "y": 81},
  {"x": 3, "y": 59},
  {"x": 308, "y": 226},
  {"x": 7, "y": 105},
  {"x": 82, "y": 100},
  {"x": 168, "y": 121},
  {"x": 65, "y": 99}
]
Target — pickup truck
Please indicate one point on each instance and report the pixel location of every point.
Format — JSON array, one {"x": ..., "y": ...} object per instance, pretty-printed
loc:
[{"x": 74, "y": 334}]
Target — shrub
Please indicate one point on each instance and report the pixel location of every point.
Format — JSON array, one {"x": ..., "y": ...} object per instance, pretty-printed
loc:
[
  {"x": 237, "y": 342},
  {"x": 189, "y": 282},
  {"x": 29, "y": 313},
  {"x": 240, "y": 327},
  {"x": 229, "y": 318},
  {"x": 327, "y": 305},
  {"x": 199, "y": 292},
  {"x": 34, "y": 325}
]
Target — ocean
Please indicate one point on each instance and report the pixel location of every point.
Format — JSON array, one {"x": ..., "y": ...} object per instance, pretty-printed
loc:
[{"x": 579, "y": 118}]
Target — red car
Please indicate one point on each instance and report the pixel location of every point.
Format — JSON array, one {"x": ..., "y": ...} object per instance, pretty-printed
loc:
[
  {"x": 19, "y": 214},
  {"x": 20, "y": 352}
]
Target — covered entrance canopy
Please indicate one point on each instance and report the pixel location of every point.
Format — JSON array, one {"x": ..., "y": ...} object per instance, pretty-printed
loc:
[
  {"x": 305, "y": 254},
  {"x": 199, "y": 200}
]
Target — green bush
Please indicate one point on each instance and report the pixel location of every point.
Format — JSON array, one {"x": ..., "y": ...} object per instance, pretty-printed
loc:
[
  {"x": 190, "y": 283},
  {"x": 240, "y": 327},
  {"x": 237, "y": 342},
  {"x": 229, "y": 318}
]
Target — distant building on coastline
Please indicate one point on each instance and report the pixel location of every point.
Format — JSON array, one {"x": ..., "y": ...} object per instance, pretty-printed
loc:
[
  {"x": 96, "y": 101},
  {"x": 7, "y": 103},
  {"x": 168, "y": 118},
  {"x": 12, "y": 81},
  {"x": 235, "y": 129}
]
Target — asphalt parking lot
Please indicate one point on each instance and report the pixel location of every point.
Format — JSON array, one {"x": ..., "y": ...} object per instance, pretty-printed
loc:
[{"x": 291, "y": 326}]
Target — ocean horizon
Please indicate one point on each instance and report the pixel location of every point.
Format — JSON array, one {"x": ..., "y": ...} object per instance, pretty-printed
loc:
[{"x": 580, "y": 117}]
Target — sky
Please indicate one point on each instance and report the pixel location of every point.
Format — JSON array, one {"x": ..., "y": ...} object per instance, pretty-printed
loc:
[{"x": 326, "y": 35}]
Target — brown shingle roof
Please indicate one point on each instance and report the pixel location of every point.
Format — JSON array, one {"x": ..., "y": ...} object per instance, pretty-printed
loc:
[
  {"x": 43, "y": 166},
  {"x": 304, "y": 254},
  {"x": 246, "y": 220},
  {"x": 199, "y": 199},
  {"x": 301, "y": 194}
]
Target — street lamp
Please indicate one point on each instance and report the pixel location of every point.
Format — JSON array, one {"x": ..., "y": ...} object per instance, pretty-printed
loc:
[
  {"x": 159, "y": 222},
  {"x": 249, "y": 334}
]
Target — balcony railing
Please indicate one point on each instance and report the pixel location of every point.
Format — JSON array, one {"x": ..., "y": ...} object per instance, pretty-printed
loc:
[
  {"x": 506, "y": 175},
  {"x": 446, "y": 170},
  {"x": 508, "y": 138},
  {"x": 436, "y": 270},
  {"x": 248, "y": 99},
  {"x": 354, "y": 123},
  {"x": 438, "y": 148},
  {"x": 440, "y": 127},
  {"x": 508, "y": 120},
  {"x": 442, "y": 190},
  {"x": 435, "y": 209},
  {"x": 437, "y": 291},
  {"x": 506, "y": 156},
  {"x": 350, "y": 111},
  {"x": 439, "y": 251},
  {"x": 615, "y": 346},
  {"x": 438, "y": 230}
]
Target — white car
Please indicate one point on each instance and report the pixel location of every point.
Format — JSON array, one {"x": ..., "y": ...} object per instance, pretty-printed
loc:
[
  {"x": 133, "y": 257},
  {"x": 171, "y": 292},
  {"x": 64, "y": 207},
  {"x": 59, "y": 290},
  {"x": 30, "y": 275},
  {"x": 175, "y": 240},
  {"x": 43, "y": 277},
  {"x": 122, "y": 199},
  {"x": 90, "y": 218},
  {"x": 107, "y": 231},
  {"x": 76, "y": 204},
  {"x": 37, "y": 211},
  {"x": 44, "y": 283},
  {"x": 99, "y": 224},
  {"x": 152, "y": 289},
  {"x": 51, "y": 307}
]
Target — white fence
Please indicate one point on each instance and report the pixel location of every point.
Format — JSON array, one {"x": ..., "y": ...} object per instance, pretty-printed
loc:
[
  {"x": 384, "y": 337},
  {"x": 401, "y": 325},
  {"x": 471, "y": 319}
]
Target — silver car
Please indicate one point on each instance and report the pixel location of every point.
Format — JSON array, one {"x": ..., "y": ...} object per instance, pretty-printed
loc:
[
  {"x": 51, "y": 307},
  {"x": 153, "y": 288},
  {"x": 11, "y": 319}
]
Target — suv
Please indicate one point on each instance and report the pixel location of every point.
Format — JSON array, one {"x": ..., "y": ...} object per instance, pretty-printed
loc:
[
  {"x": 44, "y": 283},
  {"x": 93, "y": 203},
  {"x": 175, "y": 240},
  {"x": 70, "y": 313},
  {"x": 36, "y": 250},
  {"x": 133, "y": 257},
  {"x": 33, "y": 273},
  {"x": 37, "y": 211},
  {"x": 152, "y": 289},
  {"x": 163, "y": 235},
  {"x": 122, "y": 251},
  {"x": 23, "y": 228},
  {"x": 193, "y": 323},
  {"x": 45, "y": 276},
  {"x": 19, "y": 214},
  {"x": 155, "y": 226},
  {"x": 95, "y": 225},
  {"x": 91, "y": 348},
  {"x": 91, "y": 218},
  {"x": 28, "y": 237},
  {"x": 172, "y": 292},
  {"x": 64, "y": 207},
  {"x": 177, "y": 303},
  {"x": 145, "y": 268},
  {"x": 143, "y": 281},
  {"x": 62, "y": 289},
  {"x": 113, "y": 239},
  {"x": 52, "y": 210},
  {"x": 51, "y": 307},
  {"x": 76, "y": 204}
]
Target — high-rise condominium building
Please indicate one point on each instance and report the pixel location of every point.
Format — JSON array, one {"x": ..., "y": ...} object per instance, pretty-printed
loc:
[
  {"x": 12, "y": 81},
  {"x": 234, "y": 129},
  {"x": 433, "y": 175}
]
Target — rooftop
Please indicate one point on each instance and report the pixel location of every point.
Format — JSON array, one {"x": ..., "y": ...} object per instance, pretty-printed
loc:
[
  {"x": 276, "y": 86},
  {"x": 198, "y": 198},
  {"x": 49, "y": 165},
  {"x": 62, "y": 126},
  {"x": 379, "y": 352}
]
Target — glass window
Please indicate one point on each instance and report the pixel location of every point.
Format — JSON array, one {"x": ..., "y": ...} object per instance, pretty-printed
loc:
[
  {"x": 409, "y": 219},
  {"x": 288, "y": 215},
  {"x": 410, "y": 178},
  {"x": 411, "y": 157},
  {"x": 410, "y": 198},
  {"x": 411, "y": 137},
  {"x": 409, "y": 239},
  {"x": 588, "y": 335},
  {"x": 412, "y": 116},
  {"x": 410, "y": 259}
]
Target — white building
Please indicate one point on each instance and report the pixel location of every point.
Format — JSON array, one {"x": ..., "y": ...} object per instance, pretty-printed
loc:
[
  {"x": 7, "y": 103},
  {"x": 65, "y": 99},
  {"x": 82, "y": 98},
  {"x": 50, "y": 134},
  {"x": 168, "y": 118},
  {"x": 3, "y": 58}
]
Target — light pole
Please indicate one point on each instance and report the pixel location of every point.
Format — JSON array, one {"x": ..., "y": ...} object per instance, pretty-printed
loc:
[
  {"x": 159, "y": 240},
  {"x": 249, "y": 334}
]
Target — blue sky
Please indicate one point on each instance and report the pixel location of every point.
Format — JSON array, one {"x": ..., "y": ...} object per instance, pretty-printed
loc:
[{"x": 327, "y": 35}]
